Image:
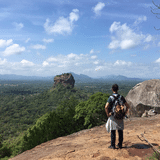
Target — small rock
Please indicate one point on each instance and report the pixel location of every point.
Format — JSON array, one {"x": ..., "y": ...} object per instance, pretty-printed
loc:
[
  {"x": 145, "y": 114},
  {"x": 71, "y": 151},
  {"x": 151, "y": 112}
]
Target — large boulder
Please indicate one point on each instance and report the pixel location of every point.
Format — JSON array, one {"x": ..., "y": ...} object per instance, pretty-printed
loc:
[
  {"x": 144, "y": 96},
  {"x": 65, "y": 79}
]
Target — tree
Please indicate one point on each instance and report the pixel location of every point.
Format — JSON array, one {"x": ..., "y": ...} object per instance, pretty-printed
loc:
[
  {"x": 91, "y": 112},
  {"x": 4, "y": 151},
  {"x": 52, "y": 125},
  {"x": 157, "y": 7}
]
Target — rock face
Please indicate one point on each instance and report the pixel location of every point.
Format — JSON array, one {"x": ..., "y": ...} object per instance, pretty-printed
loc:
[
  {"x": 144, "y": 96},
  {"x": 92, "y": 144},
  {"x": 65, "y": 79}
]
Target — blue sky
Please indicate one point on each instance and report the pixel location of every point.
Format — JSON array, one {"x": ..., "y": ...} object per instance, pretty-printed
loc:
[{"x": 91, "y": 37}]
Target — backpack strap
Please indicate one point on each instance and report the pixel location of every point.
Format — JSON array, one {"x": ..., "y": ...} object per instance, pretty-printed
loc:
[
  {"x": 118, "y": 97},
  {"x": 114, "y": 99}
]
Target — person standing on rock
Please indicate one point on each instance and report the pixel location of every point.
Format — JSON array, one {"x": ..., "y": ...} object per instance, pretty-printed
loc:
[{"x": 115, "y": 124}]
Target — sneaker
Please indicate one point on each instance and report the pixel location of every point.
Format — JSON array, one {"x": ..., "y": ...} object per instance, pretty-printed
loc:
[
  {"x": 112, "y": 147},
  {"x": 120, "y": 147}
]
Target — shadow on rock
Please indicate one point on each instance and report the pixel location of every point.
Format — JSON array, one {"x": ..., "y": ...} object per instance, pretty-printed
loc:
[
  {"x": 140, "y": 149},
  {"x": 140, "y": 146}
]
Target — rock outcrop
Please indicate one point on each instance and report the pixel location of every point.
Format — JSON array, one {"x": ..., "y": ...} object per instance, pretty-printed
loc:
[
  {"x": 92, "y": 144},
  {"x": 65, "y": 79},
  {"x": 144, "y": 96}
]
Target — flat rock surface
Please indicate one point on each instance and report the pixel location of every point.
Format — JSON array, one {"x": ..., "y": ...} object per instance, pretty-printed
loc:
[{"x": 93, "y": 143}]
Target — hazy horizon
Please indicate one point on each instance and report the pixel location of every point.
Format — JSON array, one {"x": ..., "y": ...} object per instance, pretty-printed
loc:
[{"x": 82, "y": 74}]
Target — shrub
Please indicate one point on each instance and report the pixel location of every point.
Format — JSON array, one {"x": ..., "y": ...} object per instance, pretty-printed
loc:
[
  {"x": 92, "y": 111},
  {"x": 4, "y": 151}
]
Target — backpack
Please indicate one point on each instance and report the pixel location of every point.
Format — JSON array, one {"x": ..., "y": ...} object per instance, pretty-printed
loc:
[{"x": 117, "y": 107}]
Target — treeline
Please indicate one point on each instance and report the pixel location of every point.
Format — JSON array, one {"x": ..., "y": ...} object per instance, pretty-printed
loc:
[
  {"x": 105, "y": 87},
  {"x": 24, "y": 87},
  {"x": 34, "y": 87}
]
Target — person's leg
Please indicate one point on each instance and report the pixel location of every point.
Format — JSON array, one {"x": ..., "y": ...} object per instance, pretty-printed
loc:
[
  {"x": 113, "y": 137},
  {"x": 120, "y": 132}
]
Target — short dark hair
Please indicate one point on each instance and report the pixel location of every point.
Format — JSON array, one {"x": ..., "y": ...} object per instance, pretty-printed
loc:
[{"x": 115, "y": 87}]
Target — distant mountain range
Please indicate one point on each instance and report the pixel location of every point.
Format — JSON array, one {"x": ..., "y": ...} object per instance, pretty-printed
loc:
[
  {"x": 78, "y": 78},
  {"x": 120, "y": 77},
  {"x": 85, "y": 78}
]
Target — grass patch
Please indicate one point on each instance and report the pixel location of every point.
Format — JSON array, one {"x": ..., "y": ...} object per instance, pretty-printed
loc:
[{"x": 155, "y": 156}]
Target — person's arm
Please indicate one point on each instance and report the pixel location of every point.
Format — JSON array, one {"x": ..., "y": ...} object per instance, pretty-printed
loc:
[
  {"x": 127, "y": 107},
  {"x": 106, "y": 109}
]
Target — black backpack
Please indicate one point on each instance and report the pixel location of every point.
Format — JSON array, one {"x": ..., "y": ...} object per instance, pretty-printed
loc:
[{"x": 117, "y": 107}]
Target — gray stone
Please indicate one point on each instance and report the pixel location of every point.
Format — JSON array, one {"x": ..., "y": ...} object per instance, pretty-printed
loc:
[
  {"x": 144, "y": 96},
  {"x": 145, "y": 114},
  {"x": 151, "y": 112}
]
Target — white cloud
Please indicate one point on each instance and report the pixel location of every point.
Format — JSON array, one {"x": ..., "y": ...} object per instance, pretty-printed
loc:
[
  {"x": 2, "y": 62},
  {"x": 62, "y": 25},
  {"x": 48, "y": 40},
  {"x": 158, "y": 60},
  {"x": 122, "y": 63},
  {"x": 127, "y": 43},
  {"x": 27, "y": 40},
  {"x": 72, "y": 56},
  {"x": 93, "y": 57},
  {"x": 148, "y": 38},
  {"x": 92, "y": 51},
  {"x": 24, "y": 67},
  {"x": 83, "y": 64},
  {"x": 74, "y": 16},
  {"x": 26, "y": 63},
  {"x": 96, "y": 62},
  {"x": 45, "y": 64},
  {"x": 70, "y": 62},
  {"x": 140, "y": 20},
  {"x": 38, "y": 46},
  {"x": 114, "y": 44},
  {"x": 97, "y": 9},
  {"x": 18, "y": 26},
  {"x": 125, "y": 38},
  {"x": 4, "y": 43},
  {"x": 13, "y": 49},
  {"x": 52, "y": 59}
]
